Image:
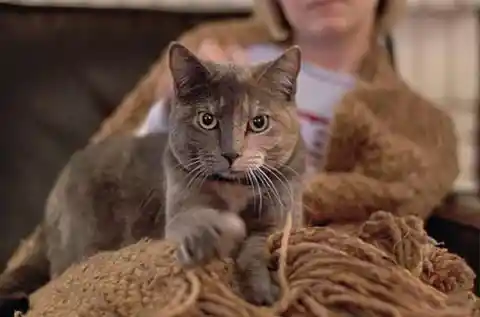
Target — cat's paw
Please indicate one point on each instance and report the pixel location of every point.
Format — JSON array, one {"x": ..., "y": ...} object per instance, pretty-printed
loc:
[
  {"x": 259, "y": 288},
  {"x": 210, "y": 235}
]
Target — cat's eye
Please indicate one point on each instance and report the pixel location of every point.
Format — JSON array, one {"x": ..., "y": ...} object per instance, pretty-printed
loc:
[
  {"x": 259, "y": 124},
  {"x": 207, "y": 121}
]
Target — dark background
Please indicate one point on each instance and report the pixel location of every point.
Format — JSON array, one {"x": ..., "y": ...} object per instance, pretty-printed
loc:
[{"x": 62, "y": 71}]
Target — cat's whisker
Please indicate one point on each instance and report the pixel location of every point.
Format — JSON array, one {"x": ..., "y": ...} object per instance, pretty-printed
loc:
[
  {"x": 193, "y": 175},
  {"x": 267, "y": 189},
  {"x": 270, "y": 186},
  {"x": 256, "y": 184},
  {"x": 206, "y": 161},
  {"x": 188, "y": 164},
  {"x": 291, "y": 170},
  {"x": 278, "y": 174},
  {"x": 260, "y": 178},
  {"x": 283, "y": 180},
  {"x": 250, "y": 180},
  {"x": 199, "y": 171},
  {"x": 264, "y": 182},
  {"x": 204, "y": 178}
]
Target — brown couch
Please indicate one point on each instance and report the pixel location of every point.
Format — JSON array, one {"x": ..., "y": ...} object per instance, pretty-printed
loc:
[{"x": 64, "y": 70}]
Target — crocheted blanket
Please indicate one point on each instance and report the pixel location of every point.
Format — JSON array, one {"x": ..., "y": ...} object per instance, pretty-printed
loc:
[{"x": 386, "y": 267}]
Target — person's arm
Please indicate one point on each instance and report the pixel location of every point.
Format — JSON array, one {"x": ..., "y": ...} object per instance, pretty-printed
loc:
[
  {"x": 438, "y": 139},
  {"x": 373, "y": 166},
  {"x": 156, "y": 120}
]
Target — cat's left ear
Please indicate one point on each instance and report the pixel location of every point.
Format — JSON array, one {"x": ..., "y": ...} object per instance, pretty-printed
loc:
[
  {"x": 188, "y": 72},
  {"x": 281, "y": 74}
]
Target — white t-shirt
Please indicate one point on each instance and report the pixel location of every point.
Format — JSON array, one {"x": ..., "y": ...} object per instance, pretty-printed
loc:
[{"x": 318, "y": 92}]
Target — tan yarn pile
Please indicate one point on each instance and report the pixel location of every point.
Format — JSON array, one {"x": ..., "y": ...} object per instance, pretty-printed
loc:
[{"x": 389, "y": 268}]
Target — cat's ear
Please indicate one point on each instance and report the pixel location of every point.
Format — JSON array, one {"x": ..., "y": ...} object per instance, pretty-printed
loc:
[
  {"x": 281, "y": 74},
  {"x": 188, "y": 72}
]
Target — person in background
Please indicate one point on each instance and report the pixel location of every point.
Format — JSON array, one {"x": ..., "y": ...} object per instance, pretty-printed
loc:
[
  {"x": 342, "y": 44},
  {"x": 356, "y": 112}
]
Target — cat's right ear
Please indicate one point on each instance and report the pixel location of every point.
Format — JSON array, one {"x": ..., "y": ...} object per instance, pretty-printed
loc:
[{"x": 188, "y": 72}]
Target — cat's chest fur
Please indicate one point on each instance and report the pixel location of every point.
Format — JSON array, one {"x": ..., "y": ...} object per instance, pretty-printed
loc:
[{"x": 235, "y": 196}]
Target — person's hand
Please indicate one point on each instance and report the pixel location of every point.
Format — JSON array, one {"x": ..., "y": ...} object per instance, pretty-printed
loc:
[{"x": 210, "y": 50}]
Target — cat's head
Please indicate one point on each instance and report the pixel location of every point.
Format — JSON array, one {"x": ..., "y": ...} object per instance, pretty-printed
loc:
[{"x": 228, "y": 120}]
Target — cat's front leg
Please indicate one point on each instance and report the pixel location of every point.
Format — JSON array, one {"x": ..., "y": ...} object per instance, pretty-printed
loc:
[
  {"x": 203, "y": 234},
  {"x": 252, "y": 264},
  {"x": 253, "y": 258}
]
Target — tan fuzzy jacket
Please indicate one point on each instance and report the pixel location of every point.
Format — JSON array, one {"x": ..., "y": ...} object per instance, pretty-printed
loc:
[{"x": 390, "y": 149}]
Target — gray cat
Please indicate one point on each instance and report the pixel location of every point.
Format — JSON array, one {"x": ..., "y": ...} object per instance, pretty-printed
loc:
[
  {"x": 231, "y": 172},
  {"x": 233, "y": 163}
]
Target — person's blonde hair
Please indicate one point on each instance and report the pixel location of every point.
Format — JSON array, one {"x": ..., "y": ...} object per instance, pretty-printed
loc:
[{"x": 270, "y": 12}]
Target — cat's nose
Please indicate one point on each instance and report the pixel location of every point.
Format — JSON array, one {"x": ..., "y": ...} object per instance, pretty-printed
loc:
[{"x": 230, "y": 156}]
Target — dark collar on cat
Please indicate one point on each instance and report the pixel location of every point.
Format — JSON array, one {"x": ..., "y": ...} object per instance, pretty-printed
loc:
[{"x": 219, "y": 178}]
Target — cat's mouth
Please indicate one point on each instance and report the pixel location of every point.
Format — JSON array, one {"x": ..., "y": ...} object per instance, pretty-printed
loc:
[{"x": 229, "y": 179}]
